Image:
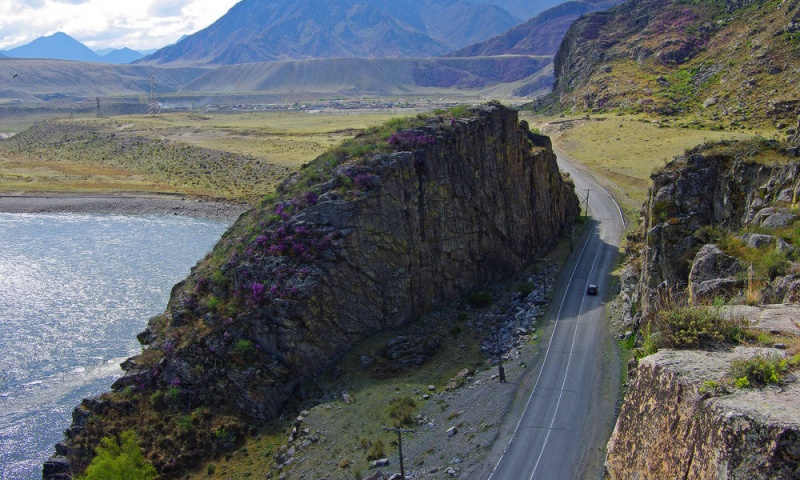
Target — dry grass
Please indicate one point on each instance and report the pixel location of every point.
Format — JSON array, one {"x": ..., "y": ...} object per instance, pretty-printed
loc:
[
  {"x": 625, "y": 149},
  {"x": 285, "y": 140}
]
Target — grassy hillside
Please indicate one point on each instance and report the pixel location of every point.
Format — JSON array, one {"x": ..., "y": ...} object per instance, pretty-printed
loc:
[
  {"x": 715, "y": 64},
  {"x": 227, "y": 156}
]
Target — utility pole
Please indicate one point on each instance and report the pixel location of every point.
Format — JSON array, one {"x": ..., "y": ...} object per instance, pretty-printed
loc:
[
  {"x": 153, "y": 108},
  {"x": 587, "y": 202},
  {"x": 500, "y": 369},
  {"x": 400, "y": 432}
]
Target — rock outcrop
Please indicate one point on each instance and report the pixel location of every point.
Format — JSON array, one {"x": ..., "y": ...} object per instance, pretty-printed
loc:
[
  {"x": 672, "y": 426},
  {"x": 696, "y": 196},
  {"x": 682, "y": 417},
  {"x": 459, "y": 203}
]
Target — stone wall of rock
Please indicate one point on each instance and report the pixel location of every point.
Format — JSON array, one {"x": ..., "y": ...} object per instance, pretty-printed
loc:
[
  {"x": 695, "y": 192},
  {"x": 464, "y": 202},
  {"x": 673, "y": 425}
]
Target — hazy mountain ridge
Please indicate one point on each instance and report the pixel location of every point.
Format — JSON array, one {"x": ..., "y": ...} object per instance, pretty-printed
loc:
[
  {"x": 60, "y": 46},
  {"x": 541, "y": 35},
  {"x": 525, "y": 9},
  {"x": 725, "y": 64},
  {"x": 254, "y": 31}
]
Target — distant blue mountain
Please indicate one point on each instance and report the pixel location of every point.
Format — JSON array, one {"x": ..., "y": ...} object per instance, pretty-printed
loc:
[
  {"x": 122, "y": 55},
  {"x": 56, "y": 46},
  {"x": 523, "y": 9},
  {"x": 264, "y": 31},
  {"x": 61, "y": 46}
]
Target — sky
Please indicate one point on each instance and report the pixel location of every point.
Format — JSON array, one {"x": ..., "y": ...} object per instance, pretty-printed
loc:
[{"x": 100, "y": 24}]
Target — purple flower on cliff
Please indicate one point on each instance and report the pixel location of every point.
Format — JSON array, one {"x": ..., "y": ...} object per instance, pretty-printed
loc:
[
  {"x": 311, "y": 198},
  {"x": 175, "y": 382},
  {"x": 366, "y": 181},
  {"x": 410, "y": 140},
  {"x": 277, "y": 249},
  {"x": 257, "y": 289}
]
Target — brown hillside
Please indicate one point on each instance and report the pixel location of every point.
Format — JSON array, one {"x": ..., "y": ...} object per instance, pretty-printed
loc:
[{"x": 724, "y": 63}]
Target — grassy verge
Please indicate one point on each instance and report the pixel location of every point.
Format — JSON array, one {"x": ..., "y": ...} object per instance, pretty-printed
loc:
[{"x": 625, "y": 149}]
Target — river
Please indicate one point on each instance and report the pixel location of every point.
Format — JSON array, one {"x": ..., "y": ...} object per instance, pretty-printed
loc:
[{"x": 75, "y": 289}]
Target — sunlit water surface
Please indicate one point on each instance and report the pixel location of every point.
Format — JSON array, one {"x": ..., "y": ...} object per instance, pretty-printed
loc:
[{"x": 74, "y": 292}]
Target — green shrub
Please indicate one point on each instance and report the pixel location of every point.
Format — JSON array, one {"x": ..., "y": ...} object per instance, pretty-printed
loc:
[
  {"x": 402, "y": 411},
  {"x": 376, "y": 450},
  {"x": 243, "y": 347},
  {"x": 649, "y": 345},
  {"x": 696, "y": 327},
  {"x": 525, "y": 288},
  {"x": 759, "y": 371},
  {"x": 119, "y": 460}
]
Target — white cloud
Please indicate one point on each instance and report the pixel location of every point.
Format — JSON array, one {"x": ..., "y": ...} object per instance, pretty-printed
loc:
[{"x": 137, "y": 24}]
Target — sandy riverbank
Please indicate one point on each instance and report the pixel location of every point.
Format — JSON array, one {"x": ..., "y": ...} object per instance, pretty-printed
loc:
[{"x": 121, "y": 204}]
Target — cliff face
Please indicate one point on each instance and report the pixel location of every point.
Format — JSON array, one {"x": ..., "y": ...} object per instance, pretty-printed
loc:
[
  {"x": 708, "y": 188},
  {"x": 719, "y": 225},
  {"x": 670, "y": 426},
  {"x": 458, "y": 204}
]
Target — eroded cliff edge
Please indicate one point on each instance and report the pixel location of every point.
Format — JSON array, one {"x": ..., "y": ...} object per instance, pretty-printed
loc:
[
  {"x": 711, "y": 283},
  {"x": 363, "y": 239}
]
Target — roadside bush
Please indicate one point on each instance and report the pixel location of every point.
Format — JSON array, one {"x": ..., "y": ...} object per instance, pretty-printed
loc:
[
  {"x": 696, "y": 327},
  {"x": 402, "y": 411},
  {"x": 119, "y": 460},
  {"x": 759, "y": 371},
  {"x": 480, "y": 299}
]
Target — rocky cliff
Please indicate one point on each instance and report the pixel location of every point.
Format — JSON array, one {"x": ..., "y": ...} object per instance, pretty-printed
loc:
[
  {"x": 364, "y": 239},
  {"x": 710, "y": 190},
  {"x": 719, "y": 228},
  {"x": 719, "y": 64},
  {"x": 672, "y": 425}
]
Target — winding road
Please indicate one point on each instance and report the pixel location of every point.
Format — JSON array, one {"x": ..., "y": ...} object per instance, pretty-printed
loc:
[{"x": 570, "y": 397}]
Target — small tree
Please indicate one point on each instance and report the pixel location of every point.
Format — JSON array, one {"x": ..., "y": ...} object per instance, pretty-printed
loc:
[{"x": 120, "y": 460}]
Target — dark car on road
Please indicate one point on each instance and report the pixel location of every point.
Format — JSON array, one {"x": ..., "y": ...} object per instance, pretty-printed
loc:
[{"x": 591, "y": 289}]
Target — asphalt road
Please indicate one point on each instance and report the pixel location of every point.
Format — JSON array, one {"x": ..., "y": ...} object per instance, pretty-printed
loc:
[{"x": 569, "y": 411}]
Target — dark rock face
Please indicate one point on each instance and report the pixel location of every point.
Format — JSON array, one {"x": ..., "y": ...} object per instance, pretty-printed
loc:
[
  {"x": 476, "y": 203},
  {"x": 693, "y": 194}
]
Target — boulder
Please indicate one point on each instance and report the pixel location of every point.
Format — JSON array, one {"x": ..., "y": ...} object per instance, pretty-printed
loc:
[
  {"x": 757, "y": 240},
  {"x": 713, "y": 273},
  {"x": 778, "y": 220}
]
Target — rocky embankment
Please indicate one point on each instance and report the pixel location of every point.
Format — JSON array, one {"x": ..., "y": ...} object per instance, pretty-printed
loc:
[
  {"x": 717, "y": 228},
  {"x": 356, "y": 244}
]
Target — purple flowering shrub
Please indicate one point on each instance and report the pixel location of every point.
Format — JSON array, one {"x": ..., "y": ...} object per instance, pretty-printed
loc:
[{"x": 411, "y": 140}]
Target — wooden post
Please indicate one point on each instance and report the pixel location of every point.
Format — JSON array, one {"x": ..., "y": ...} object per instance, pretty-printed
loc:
[
  {"x": 587, "y": 203},
  {"x": 400, "y": 432}
]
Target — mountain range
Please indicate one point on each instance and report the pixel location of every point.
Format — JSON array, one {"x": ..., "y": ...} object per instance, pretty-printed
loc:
[
  {"x": 258, "y": 31},
  {"x": 63, "y": 47},
  {"x": 541, "y": 35}
]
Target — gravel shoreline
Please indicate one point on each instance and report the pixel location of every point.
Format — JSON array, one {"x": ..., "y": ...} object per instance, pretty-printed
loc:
[{"x": 122, "y": 205}]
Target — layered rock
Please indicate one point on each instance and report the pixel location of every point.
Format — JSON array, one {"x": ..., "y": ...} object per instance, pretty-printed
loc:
[
  {"x": 701, "y": 191},
  {"x": 461, "y": 203},
  {"x": 672, "y": 425}
]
